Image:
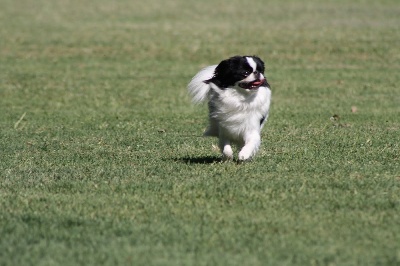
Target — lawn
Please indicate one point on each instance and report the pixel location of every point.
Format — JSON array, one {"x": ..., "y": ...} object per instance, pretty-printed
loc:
[{"x": 102, "y": 159}]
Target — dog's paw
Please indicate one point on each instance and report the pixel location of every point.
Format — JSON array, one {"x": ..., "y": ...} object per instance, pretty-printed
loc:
[
  {"x": 227, "y": 154},
  {"x": 245, "y": 155}
]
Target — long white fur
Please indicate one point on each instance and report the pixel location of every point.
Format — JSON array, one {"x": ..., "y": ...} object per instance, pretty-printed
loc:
[
  {"x": 237, "y": 115},
  {"x": 197, "y": 88}
]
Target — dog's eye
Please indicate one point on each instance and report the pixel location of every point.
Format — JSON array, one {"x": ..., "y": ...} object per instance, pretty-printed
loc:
[{"x": 246, "y": 73}]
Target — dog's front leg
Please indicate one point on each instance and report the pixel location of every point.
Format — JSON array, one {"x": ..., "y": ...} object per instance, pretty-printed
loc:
[
  {"x": 251, "y": 145},
  {"x": 226, "y": 149}
]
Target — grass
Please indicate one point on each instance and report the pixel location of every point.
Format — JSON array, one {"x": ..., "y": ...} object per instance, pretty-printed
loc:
[{"x": 102, "y": 159}]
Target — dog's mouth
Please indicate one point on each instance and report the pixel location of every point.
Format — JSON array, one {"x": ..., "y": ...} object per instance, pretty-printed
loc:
[{"x": 253, "y": 85}]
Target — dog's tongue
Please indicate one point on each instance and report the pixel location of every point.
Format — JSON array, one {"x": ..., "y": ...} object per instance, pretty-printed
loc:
[
  {"x": 258, "y": 82},
  {"x": 253, "y": 85}
]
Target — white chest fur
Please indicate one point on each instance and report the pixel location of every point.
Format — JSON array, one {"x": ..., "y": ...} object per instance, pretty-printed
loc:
[{"x": 239, "y": 111}]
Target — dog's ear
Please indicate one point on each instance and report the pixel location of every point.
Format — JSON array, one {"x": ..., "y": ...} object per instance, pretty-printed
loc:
[
  {"x": 214, "y": 80},
  {"x": 222, "y": 73},
  {"x": 224, "y": 68}
]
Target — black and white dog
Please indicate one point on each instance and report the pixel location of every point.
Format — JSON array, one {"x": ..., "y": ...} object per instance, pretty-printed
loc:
[{"x": 239, "y": 97}]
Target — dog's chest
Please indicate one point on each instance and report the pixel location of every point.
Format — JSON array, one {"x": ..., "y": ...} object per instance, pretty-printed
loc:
[
  {"x": 234, "y": 102},
  {"x": 232, "y": 108}
]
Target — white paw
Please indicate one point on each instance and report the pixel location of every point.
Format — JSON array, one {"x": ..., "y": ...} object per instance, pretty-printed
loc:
[
  {"x": 227, "y": 153},
  {"x": 245, "y": 155}
]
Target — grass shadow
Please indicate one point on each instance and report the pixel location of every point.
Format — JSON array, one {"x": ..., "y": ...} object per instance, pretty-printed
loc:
[{"x": 200, "y": 160}]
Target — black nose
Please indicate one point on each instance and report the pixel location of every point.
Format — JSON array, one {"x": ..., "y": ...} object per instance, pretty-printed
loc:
[{"x": 256, "y": 74}]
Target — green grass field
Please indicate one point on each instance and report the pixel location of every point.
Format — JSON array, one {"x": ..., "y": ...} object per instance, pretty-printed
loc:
[{"x": 102, "y": 158}]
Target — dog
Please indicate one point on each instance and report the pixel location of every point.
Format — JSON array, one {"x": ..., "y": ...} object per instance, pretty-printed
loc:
[{"x": 239, "y": 98}]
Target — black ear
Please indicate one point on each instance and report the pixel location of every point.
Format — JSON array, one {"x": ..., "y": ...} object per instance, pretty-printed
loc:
[
  {"x": 223, "y": 68},
  {"x": 217, "y": 82},
  {"x": 222, "y": 74},
  {"x": 214, "y": 80}
]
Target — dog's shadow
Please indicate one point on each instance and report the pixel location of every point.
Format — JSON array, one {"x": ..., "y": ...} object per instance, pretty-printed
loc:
[{"x": 200, "y": 160}]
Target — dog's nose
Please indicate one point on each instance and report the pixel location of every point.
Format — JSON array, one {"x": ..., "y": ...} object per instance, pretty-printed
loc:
[{"x": 256, "y": 74}]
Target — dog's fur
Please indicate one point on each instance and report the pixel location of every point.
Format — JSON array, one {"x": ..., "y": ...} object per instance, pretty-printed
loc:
[{"x": 239, "y": 97}]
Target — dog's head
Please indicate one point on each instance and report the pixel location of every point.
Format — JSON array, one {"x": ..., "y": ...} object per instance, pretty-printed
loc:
[{"x": 246, "y": 72}]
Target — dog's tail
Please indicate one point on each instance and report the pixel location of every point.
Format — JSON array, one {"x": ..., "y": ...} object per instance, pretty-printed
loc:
[{"x": 197, "y": 88}]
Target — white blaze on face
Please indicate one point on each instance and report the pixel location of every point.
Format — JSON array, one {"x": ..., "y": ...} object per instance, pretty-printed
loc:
[{"x": 253, "y": 65}]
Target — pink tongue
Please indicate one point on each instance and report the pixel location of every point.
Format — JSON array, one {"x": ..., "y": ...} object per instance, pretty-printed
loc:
[{"x": 257, "y": 82}]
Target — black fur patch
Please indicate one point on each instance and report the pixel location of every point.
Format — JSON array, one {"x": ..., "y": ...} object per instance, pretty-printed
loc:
[{"x": 262, "y": 120}]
